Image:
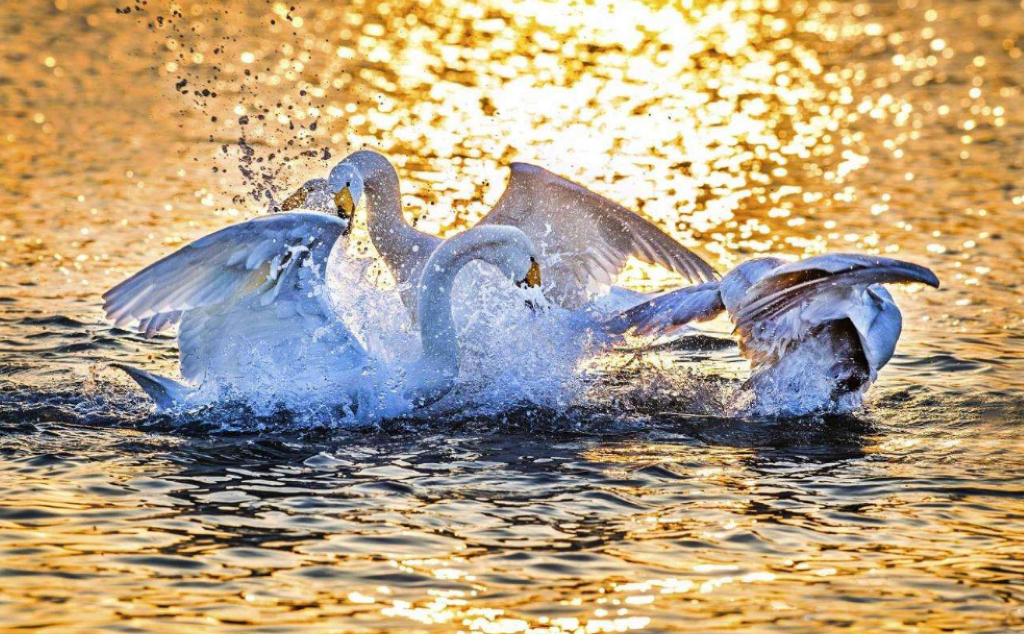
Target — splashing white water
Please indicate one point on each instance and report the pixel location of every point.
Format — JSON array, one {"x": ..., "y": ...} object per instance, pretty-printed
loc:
[
  {"x": 511, "y": 355},
  {"x": 803, "y": 382},
  {"x": 515, "y": 349}
]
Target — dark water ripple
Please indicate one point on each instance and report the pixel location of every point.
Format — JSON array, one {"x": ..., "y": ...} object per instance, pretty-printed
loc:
[{"x": 260, "y": 525}]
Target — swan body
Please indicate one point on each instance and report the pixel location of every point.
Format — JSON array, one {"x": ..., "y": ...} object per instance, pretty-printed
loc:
[
  {"x": 829, "y": 310},
  {"x": 583, "y": 239},
  {"x": 256, "y": 312}
]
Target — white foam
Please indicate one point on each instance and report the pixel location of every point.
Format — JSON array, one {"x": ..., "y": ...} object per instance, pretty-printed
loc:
[
  {"x": 511, "y": 356},
  {"x": 802, "y": 382}
]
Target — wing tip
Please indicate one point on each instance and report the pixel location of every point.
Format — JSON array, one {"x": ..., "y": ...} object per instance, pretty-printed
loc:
[
  {"x": 927, "y": 276},
  {"x": 708, "y": 272},
  {"x": 691, "y": 265},
  {"x": 908, "y": 272},
  {"x": 521, "y": 167},
  {"x": 165, "y": 392},
  {"x": 670, "y": 311}
]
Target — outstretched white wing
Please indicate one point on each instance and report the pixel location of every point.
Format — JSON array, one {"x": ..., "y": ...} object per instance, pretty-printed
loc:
[
  {"x": 246, "y": 295},
  {"x": 791, "y": 301},
  {"x": 260, "y": 256},
  {"x": 584, "y": 238},
  {"x": 668, "y": 312}
]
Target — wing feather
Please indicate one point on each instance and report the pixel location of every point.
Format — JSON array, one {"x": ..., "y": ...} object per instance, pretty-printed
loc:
[
  {"x": 788, "y": 303},
  {"x": 584, "y": 238},
  {"x": 793, "y": 284},
  {"x": 670, "y": 311},
  {"x": 257, "y": 254}
]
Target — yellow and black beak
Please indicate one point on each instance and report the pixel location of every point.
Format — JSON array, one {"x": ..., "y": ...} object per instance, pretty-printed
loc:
[
  {"x": 532, "y": 279},
  {"x": 343, "y": 201},
  {"x": 296, "y": 200}
]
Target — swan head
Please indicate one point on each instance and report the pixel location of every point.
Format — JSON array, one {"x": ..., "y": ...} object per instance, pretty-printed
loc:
[
  {"x": 316, "y": 195},
  {"x": 513, "y": 253},
  {"x": 509, "y": 250},
  {"x": 346, "y": 183}
]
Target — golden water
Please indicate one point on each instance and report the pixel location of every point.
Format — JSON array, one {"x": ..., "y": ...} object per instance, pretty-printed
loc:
[{"x": 742, "y": 127}]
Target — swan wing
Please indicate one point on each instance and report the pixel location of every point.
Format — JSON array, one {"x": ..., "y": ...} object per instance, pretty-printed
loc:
[
  {"x": 879, "y": 269},
  {"x": 261, "y": 257},
  {"x": 252, "y": 302},
  {"x": 294, "y": 343},
  {"x": 789, "y": 302},
  {"x": 670, "y": 311},
  {"x": 584, "y": 238}
]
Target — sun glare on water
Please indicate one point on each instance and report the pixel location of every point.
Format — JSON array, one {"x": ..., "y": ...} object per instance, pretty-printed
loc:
[{"x": 741, "y": 127}]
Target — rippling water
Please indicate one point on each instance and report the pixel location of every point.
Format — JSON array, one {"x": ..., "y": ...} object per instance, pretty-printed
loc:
[{"x": 743, "y": 127}]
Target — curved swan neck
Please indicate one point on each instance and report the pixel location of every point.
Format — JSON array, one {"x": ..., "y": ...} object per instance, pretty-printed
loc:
[
  {"x": 437, "y": 369},
  {"x": 390, "y": 233},
  {"x": 506, "y": 248},
  {"x": 437, "y": 326}
]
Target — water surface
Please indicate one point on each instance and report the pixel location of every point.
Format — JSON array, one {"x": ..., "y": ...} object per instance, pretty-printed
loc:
[{"x": 740, "y": 127}]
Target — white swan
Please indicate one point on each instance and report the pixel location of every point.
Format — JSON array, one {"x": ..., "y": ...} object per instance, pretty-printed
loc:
[
  {"x": 583, "y": 239},
  {"x": 832, "y": 307},
  {"x": 252, "y": 298}
]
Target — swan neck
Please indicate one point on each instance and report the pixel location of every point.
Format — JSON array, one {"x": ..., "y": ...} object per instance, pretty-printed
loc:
[
  {"x": 436, "y": 371},
  {"x": 388, "y": 228},
  {"x": 440, "y": 361},
  {"x": 437, "y": 326}
]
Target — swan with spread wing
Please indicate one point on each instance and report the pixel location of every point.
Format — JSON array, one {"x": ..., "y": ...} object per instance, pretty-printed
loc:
[
  {"x": 253, "y": 299},
  {"x": 834, "y": 307},
  {"x": 583, "y": 239}
]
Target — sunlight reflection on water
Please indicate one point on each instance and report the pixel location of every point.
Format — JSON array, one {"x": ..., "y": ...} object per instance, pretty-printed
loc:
[{"x": 741, "y": 127}]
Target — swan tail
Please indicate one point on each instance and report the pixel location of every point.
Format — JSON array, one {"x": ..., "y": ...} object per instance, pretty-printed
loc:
[
  {"x": 165, "y": 392},
  {"x": 668, "y": 312}
]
